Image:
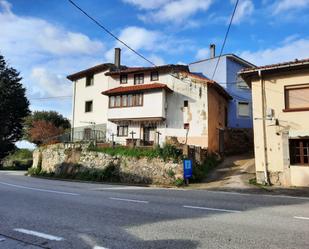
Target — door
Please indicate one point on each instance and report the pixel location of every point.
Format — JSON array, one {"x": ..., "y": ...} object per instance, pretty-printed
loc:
[
  {"x": 221, "y": 141},
  {"x": 149, "y": 135}
]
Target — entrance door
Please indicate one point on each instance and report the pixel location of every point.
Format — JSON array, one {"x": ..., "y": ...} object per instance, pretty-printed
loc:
[{"x": 149, "y": 135}]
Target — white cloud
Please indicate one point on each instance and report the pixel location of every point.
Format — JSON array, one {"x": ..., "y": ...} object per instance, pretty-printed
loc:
[
  {"x": 202, "y": 53},
  {"x": 280, "y": 6},
  {"x": 147, "y": 4},
  {"x": 175, "y": 11},
  {"x": 43, "y": 52},
  {"x": 49, "y": 83},
  {"x": 298, "y": 49},
  {"x": 244, "y": 9}
]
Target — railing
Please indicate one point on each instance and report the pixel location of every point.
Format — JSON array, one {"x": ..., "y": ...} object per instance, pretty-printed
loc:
[{"x": 87, "y": 135}]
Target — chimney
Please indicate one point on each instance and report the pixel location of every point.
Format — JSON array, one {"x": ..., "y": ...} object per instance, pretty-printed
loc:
[
  {"x": 117, "y": 57},
  {"x": 212, "y": 49}
]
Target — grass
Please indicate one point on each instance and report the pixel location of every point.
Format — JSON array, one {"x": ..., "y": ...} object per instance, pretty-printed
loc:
[
  {"x": 21, "y": 159},
  {"x": 200, "y": 171},
  {"x": 252, "y": 181},
  {"x": 165, "y": 153}
]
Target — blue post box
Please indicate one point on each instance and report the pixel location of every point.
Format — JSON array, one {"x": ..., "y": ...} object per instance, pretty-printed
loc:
[{"x": 187, "y": 168}]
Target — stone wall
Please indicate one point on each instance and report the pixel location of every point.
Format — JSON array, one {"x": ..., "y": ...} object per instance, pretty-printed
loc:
[
  {"x": 69, "y": 159},
  {"x": 238, "y": 141}
]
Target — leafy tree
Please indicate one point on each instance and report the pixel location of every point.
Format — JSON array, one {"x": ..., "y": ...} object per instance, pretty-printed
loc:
[
  {"x": 54, "y": 123},
  {"x": 14, "y": 107},
  {"x": 44, "y": 132}
]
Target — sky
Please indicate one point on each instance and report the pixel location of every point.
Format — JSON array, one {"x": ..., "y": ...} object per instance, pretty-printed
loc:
[{"x": 48, "y": 40}]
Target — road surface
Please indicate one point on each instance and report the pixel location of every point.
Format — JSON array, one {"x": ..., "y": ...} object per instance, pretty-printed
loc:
[{"x": 37, "y": 213}]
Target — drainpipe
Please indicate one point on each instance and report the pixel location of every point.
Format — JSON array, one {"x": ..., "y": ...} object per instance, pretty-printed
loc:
[
  {"x": 264, "y": 126},
  {"x": 73, "y": 111}
]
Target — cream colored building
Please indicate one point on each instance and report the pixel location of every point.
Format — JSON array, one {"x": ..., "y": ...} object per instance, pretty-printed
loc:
[
  {"x": 148, "y": 104},
  {"x": 280, "y": 96}
]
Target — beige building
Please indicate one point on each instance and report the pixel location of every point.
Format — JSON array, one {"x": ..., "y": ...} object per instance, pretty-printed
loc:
[
  {"x": 149, "y": 104},
  {"x": 280, "y": 96}
]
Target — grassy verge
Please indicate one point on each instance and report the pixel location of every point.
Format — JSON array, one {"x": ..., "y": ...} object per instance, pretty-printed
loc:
[
  {"x": 21, "y": 159},
  {"x": 165, "y": 153},
  {"x": 200, "y": 171}
]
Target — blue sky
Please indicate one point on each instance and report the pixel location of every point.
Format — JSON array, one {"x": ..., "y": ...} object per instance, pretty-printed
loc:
[{"x": 47, "y": 40}]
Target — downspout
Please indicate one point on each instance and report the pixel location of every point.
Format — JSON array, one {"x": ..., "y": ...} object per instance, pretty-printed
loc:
[
  {"x": 73, "y": 111},
  {"x": 264, "y": 127}
]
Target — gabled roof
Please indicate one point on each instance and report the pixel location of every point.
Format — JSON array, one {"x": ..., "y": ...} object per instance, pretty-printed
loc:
[
  {"x": 96, "y": 69},
  {"x": 169, "y": 67},
  {"x": 231, "y": 56},
  {"x": 210, "y": 83},
  {"x": 136, "y": 88},
  {"x": 281, "y": 66}
]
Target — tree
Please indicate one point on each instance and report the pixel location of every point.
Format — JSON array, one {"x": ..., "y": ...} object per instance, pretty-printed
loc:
[
  {"x": 14, "y": 107},
  {"x": 54, "y": 123},
  {"x": 44, "y": 132}
]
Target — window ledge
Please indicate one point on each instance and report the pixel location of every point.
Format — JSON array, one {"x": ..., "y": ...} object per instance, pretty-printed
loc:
[{"x": 296, "y": 109}]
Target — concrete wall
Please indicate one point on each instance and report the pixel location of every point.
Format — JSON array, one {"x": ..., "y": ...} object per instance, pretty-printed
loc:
[{"x": 290, "y": 124}]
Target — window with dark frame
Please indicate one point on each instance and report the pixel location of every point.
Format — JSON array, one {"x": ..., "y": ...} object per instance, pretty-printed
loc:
[
  {"x": 243, "y": 109},
  {"x": 299, "y": 151},
  {"x": 138, "y": 79},
  {"x": 129, "y": 100},
  {"x": 88, "y": 106},
  {"x": 123, "y": 79},
  {"x": 89, "y": 80},
  {"x": 296, "y": 97},
  {"x": 122, "y": 131},
  {"x": 185, "y": 103},
  {"x": 154, "y": 76}
]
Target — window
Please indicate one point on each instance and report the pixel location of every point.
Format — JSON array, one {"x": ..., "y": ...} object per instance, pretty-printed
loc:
[
  {"x": 112, "y": 101},
  {"x": 123, "y": 79},
  {"x": 87, "y": 133},
  {"x": 299, "y": 151},
  {"x": 240, "y": 83},
  {"x": 130, "y": 100},
  {"x": 185, "y": 103},
  {"x": 138, "y": 99},
  {"x": 89, "y": 80},
  {"x": 154, "y": 76},
  {"x": 122, "y": 131},
  {"x": 88, "y": 106},
  {"x": 296, "y": 98},
  {"x": 118, "y": 101},
  {"x": 138, "y": 79},
  {"x": 126, "y": 100},
  {"x": 243, "y": 109},
  {"x": 186, "y": 126}
]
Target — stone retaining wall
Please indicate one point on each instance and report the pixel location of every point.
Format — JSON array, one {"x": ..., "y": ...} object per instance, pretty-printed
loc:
[{"x": 72, "y": 158}]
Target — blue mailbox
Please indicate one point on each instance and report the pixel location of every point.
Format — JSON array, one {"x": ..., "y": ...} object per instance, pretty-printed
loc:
[{"x": 187, "y": 168}]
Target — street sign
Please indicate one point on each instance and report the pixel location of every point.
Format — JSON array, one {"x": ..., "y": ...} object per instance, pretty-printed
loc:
[{"x": 187, "y": 168}]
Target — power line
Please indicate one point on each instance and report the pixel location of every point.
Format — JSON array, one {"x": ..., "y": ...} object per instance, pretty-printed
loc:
[
  {"x": 225, "y": 38},
  {"x": 110, "y": 33}
]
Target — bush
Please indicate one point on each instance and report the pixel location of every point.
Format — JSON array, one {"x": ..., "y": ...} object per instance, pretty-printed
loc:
[
  {"x": 179, "y": 182},
  {"x": 200, "y": 171},
  {"x": 21, "y": 159}
]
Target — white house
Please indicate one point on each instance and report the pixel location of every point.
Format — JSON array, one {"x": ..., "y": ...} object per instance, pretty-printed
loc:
[{"x": 149, "y": 104}]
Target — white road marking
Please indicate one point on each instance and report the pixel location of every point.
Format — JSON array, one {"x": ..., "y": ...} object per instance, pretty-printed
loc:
[
  {"x": 129, "y": 200},
  {"x": 99, "y": 247},
  {"x": 120, "y": 188},
  {"x": 38, "y": 189},
  {"x": 301, "y": 217},
  {"x": 213, "y": 209},
  {"x": 38, "y": 234},
  {"x": 2, "y": 239}
]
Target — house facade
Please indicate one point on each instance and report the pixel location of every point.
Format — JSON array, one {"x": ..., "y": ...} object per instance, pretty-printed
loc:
[
  {"x": 281, "y": 122},
  {"x": 240, "y": 108},
  {"x": 146, "y": 105}
]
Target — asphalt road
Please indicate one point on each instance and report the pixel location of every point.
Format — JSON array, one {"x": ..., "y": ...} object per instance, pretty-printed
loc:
[{"x": 38, "y": 213}]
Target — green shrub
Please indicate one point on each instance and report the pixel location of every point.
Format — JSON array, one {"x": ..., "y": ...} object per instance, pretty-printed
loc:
[
  {"x": 179, "y": 182},
  {"x": 200, "y": 171},
  {"x": 171, "y": 173},
  {"x": 166, "y": 152},
  {"x": 21, "y": 159}
]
